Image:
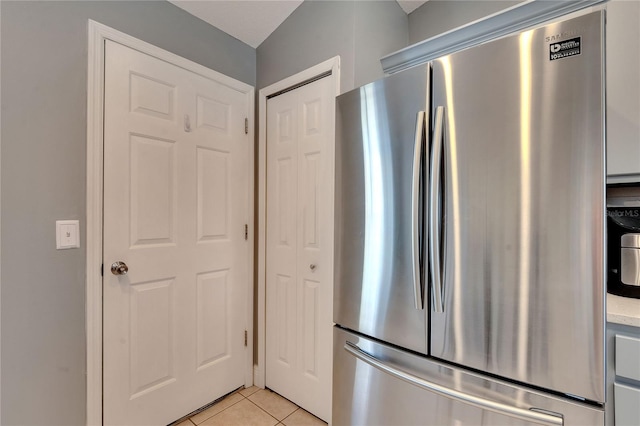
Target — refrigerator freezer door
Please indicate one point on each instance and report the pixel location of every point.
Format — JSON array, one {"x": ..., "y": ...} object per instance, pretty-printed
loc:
[
  {"x": 377, "y": 229},
  {"x": 375, "y": 384},
  {"x": 523, "y": 218}
]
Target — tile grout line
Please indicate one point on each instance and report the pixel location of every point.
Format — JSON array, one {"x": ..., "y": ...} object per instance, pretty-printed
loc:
[
  {"x": 264, "y": 411},
  {"x": 221, "y": 411},
  {"x": 279, "y": 422},
  {"x": 294, "y": 411},
  {"x": 290, "y": 414},
  {"x": 287, "y": 416}
]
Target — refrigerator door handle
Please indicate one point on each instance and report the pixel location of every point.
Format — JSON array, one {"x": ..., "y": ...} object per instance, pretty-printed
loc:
[
  {"x": 435, "y": 220},
  {"x": 530, "y": 415},
  {"x": 415, "y": 211}
]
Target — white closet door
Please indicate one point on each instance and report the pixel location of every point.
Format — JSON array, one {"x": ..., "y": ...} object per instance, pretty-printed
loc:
[
  {"x": 175, "y": 204},
  {"x": 299, "y": 268}
]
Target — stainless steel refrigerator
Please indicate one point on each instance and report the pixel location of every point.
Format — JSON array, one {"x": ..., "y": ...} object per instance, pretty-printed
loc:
[{"x": 470, "y": 214}]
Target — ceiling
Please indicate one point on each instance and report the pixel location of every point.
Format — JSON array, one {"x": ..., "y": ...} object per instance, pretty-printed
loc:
[{"x": 252, "y": 21}]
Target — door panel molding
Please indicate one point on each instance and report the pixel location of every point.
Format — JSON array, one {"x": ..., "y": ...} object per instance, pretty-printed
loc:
[
  {"x": 97, "y": 35},
  {"x": 333, "y": 66}
]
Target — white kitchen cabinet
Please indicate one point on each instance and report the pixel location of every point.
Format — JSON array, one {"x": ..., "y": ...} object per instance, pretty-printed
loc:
[
  {"x": 623, "y": 369},
  {"x": 623, "y": 91}
]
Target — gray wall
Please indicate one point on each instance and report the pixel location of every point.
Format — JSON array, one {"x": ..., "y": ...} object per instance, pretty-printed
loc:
[
  {"x": 438, "y": 16},
  {"x": 43, "y": 85},
  {"x": 380, "y": 29},
  {"x": 359, "y": 31}
]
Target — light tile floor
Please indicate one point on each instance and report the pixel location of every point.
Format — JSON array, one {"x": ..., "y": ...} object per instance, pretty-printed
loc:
[{"x": 253, "y": 407}]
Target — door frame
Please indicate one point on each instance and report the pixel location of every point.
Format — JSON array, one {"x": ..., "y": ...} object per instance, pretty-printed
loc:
[
  {"x": 97, "y": 35},
  {"x": 330, "y": 65}
]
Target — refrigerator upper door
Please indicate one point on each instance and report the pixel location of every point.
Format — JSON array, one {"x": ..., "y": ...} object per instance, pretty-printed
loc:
[
  {"x": 379, "y": 290},
  {"x": 523, "y": 207}
]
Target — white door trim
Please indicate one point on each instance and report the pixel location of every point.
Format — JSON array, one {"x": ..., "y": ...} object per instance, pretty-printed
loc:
[
  {"x": 98, "y": 33},
  {"x": 332, "y": 65}
]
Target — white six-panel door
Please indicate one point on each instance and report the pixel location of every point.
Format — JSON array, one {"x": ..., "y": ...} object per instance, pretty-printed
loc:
[
  {"x": 299, "y": 252},
  {"x": 175, "y": 206}
]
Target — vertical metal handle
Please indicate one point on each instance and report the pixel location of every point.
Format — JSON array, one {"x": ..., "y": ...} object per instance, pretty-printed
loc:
[
  {"x": 435, "y": 221},
  {"x": 415, "y": 211}
]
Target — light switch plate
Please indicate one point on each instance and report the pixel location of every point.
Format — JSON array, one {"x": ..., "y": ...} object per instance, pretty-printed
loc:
[{"x": 67, "y": 234}]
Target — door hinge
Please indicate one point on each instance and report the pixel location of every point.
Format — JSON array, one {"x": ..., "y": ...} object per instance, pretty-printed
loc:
[
  {"x": 246, "y": 126},
  {"x": 246, "y": 231},
  {"x": 246, "y": 337},
  {"x": 102, "y": 270}
]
